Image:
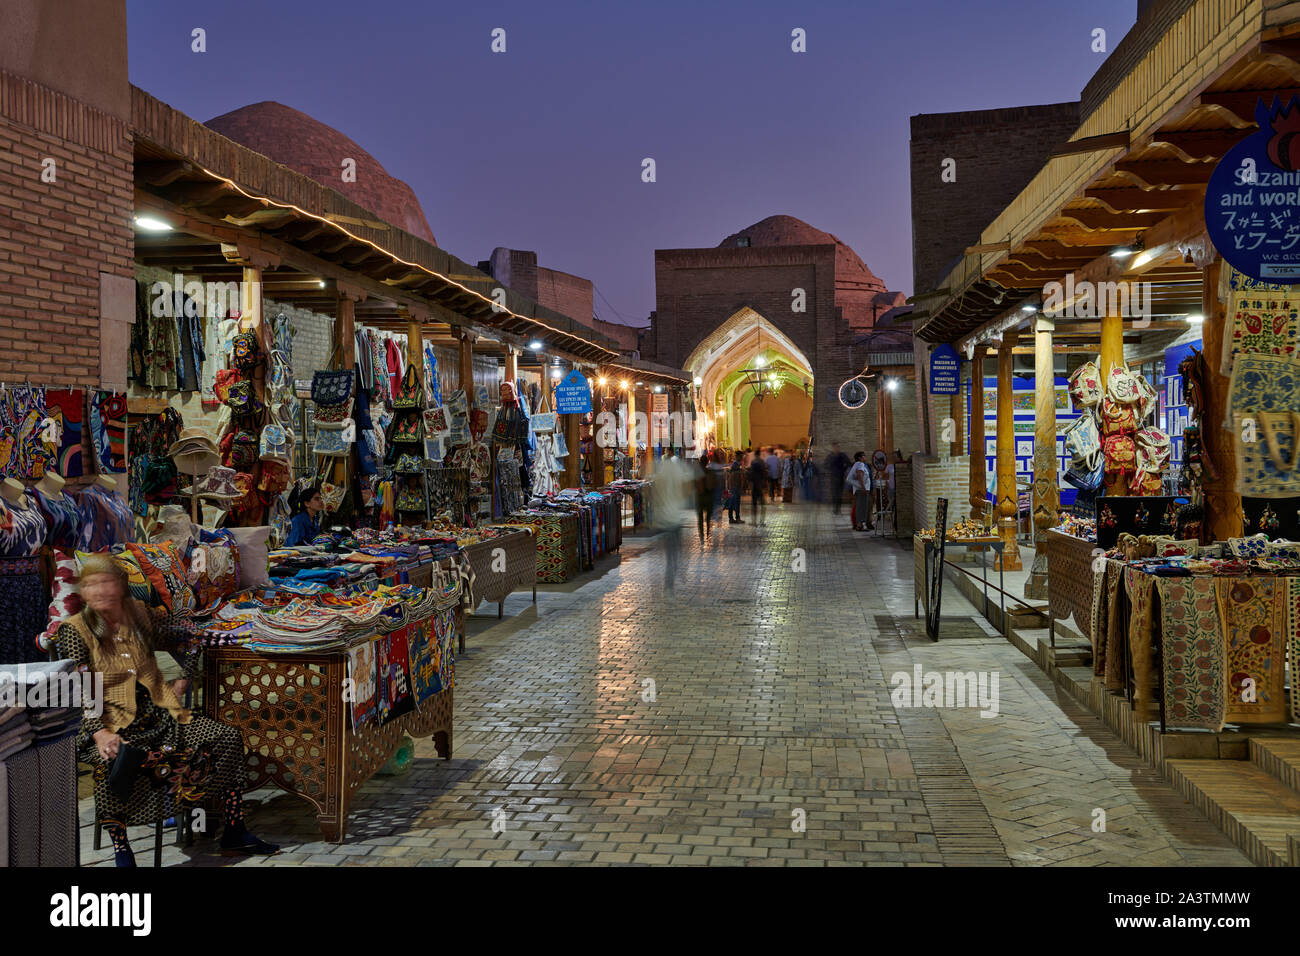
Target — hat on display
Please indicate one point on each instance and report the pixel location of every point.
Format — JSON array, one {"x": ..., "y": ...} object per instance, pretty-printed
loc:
[
  {"x": 218, "y": 483},
  {"x": 194, "y": 452}
]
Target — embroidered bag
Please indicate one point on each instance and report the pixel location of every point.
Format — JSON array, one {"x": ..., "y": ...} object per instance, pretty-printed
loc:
[
  {"x": 437, "y": 424},
  {"x": 275, "y": 477},
  {"x": 409, "y": 464},
  {"x": 275, "y": 444},
  {"x": 1152, "y": 449},
  {"x": 1121, "y": 455},
  {"x": 1088, "y": 474},
  {"x": 331, "y": 387},
  {"x": 1148, "y": 400},
  {"x": 1085, "y": 385},
  {"x": 225, "y": 378},
  {"x": 409, "y": 394},
  {"x": 1117, "y": 419},
  {"x": 246, "y": 350},
  {"x": 410, "y": 499},
  {"x": 1264, "y": 400},
  {"x": 407, "y": 430},
  {"x": 329, "y": 441},
  {"x": 239, "y": 395},
  {"x": 243, "y": 451},
  {"x": 332, "y": 495},
  {"x": 333, "y": 416},
  {"x": 1081, "y": 438},
  {"x": 1121, "y": 386},
  {"x": 247, "y": 488},
  {"x": 1146, "y": 483},
  {"x": 1250, "y": 548},
  {"x": 542, "y": 422}
]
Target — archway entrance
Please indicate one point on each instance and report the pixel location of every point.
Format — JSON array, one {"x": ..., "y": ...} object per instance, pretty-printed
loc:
[{"x": 756, "y": 385}]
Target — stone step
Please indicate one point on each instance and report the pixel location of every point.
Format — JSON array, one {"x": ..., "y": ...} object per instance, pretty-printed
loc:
[
  {"x": 1279, "y": 757},
  {"x": 1256, "y": 811}
]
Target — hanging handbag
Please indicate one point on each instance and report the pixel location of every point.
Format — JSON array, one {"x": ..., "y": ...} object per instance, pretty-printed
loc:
[
  {"x": 1085, "y": 385},
  {"x": 1264, "y": 398},
  {"x": 561, "y": 446},
  {"x": 329, "y": 441},
  {"x": 1081, "y": 438},
  {"x": 409, "y": 394},
  {"x": 407, "y": 430},
  {"x": 275, "y": 444},
  {"x": 275, "y": 477},
  {"x": 332, "y": 495},
  {"x": 1121, "y": 386},
  {"x": 333, "y": 416},
  {"x": 411, "y": 498},
  {"x": 225, "y": 378},
  {"x": 331, "y": 387},
  {"x": 1146, "y": 483},
  {"x": 1153, "y": 449},
  {"x": 242, "y": 455},
  {"x": 437, "y": 424},
  {"x": 408, "y": 464},
  {"x": 239, "y": 395},
  {"x": 1117, "y": 419},
  {"x": 1088, "y": 474},
  {"x": 247, "y": 489},
  {"x": 1121, "y": 455},
  {"x": 246, "y": 350},
  {"x": 1148, "y": 399}
]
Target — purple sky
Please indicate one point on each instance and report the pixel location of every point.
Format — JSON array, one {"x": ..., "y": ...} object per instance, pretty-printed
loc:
[{"x": 541, "y": 147}]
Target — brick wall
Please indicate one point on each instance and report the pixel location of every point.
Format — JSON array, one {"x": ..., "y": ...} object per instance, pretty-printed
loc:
[
  {"x": 997, "y": 152},
  {"x": 57, "y": 239},
  {"x": 567, "y": 294},
  {"x": 936, "y": 477}
]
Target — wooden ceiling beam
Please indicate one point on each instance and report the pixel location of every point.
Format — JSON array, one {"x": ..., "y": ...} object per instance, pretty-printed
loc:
[
  {"x": 1171, "y": 172},
  {"x": 1200, "y": 144},
  {"x": 1121, "y": 201}
]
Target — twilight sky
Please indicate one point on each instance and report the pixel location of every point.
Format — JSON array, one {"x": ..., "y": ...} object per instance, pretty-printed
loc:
[{"x": 541, "y": 147}]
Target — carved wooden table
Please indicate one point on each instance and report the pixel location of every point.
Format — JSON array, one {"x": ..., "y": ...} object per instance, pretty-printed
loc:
[
  {"x": 297, "y": 731},
  {"x": 498, "y": 574}
]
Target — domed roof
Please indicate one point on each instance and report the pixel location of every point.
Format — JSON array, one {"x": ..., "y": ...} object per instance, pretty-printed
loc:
[
  {"x": 308, "y": 146},
  {"x": 858, "y": 291}
]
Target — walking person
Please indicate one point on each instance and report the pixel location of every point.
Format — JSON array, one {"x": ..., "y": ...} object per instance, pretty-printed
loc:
[
  {"x": 773, "y": 462},
  {"x": 735, "y": 482},
  {"x": 837, "y": 467},
  {"x": 789, "y": 475},
  {"x": 668, "y": 497},
  {"x": 757, "y": 489},
  {"x": 718, "y": 465},
  {"x": 705, "y": 485},
  {"x": 859, "y": 482}
]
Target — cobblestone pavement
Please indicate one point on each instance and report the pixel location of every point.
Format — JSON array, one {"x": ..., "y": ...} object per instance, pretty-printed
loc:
[{"x": 745, "y": 718}]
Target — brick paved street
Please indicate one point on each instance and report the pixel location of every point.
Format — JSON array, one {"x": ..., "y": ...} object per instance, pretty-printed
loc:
[{"x": 771, "y": 738}]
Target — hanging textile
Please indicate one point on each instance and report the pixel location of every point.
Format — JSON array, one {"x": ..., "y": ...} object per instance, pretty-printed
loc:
[
  {"x": 365, "y": 366},
  {"x": 190, "y": 355},
  {"x": 433, "y": 391},
  {"x": 108, "y": 430},
  {"x": 1254, "y": 612},
  {"x": 69, "y": 405},
  {"x": 23, "y": 451},
  {"x": 1192, "y": 653},
  {"x": 105, "y": 519}
]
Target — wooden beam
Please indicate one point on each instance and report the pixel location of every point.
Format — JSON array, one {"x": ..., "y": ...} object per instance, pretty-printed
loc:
[
  {"x": 1165, "y": 173},
  {"x": 162, "y": 172},
  {"x": 1202, "y": 144},
  {"x": 1092, "y": 144},
  {"x": 1241, "y": 103},
  {"x": 1097, "y": 220},
  {"x": 1145, "y": 200},
  {"x": 1223, "y": 513},
  {"x": 1007, "y": 496}
]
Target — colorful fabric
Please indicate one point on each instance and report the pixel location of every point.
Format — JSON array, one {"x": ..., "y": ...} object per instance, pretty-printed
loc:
[
  {"x": 165, "y": 569},
  {"x": 69, "y": 405},
  {"x": 62, "y": 517},
  {"x": 23, "y": 451},
  {"x": 432, "y": 644},
  {"x": 22, "y": 530},
  {"x": 1192, "y": 653},
  {"x": 1140, "y": 588},
  {"x": 22, "y": 612},
  {"x": 108, "y": 430},
  {"x": 1253, "y": 612},
  {"x": 214, "y": 572},
  {"x": 1261, "y": 322},
  {"x": 105, "y": 519},
  {"x": 65, "y": 600},
  {"x": 1293, "y": 636},
  {"x": 394, "y": 695},
  {"x": 362, "y": 669},
  {"x": 1265, "y": 392}
]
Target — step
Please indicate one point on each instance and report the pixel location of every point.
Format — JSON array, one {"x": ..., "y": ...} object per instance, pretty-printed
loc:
[
  {"x": 1255, "y": 810},
  {"x": 1279, "y": 757}
]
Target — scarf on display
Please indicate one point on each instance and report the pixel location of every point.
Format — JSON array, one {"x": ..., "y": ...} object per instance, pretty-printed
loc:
[
  {"x": 24, "y": 452},
  {"x": 108, "y": 430},
  {"x": 68, "y": 405}
]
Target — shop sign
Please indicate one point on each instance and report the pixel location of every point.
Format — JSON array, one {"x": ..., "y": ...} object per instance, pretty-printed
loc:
[
  {"x": 1252, "y": 202},
  {"x": 573, "y": 395},
  {"x": 945, "y": 371}
]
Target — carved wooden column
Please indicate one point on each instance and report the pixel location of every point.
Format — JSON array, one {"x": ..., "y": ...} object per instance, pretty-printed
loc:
[
  {"x": 344, "y": 345},
  {"x": 466, "y": 364},
  {"x": 512, "y": 364},
  {"x": 1224, "y": 518},
  {"x": 1112, "y": 354},
  {"x": 979, "y": 486},
  {"x": 1007, "y": 499},
  {"x": 1046, "y": 492}
]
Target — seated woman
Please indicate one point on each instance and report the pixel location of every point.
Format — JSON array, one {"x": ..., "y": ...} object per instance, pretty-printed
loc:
[
  {"x": 307, "y": 506},
  {"x": 115, "y": 636}
]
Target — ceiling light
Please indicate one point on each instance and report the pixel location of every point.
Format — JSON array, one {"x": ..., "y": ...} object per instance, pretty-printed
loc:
[
  {"x": 698, "y": 380},
  {"x": 759, "y": 361},
  {"x": 535, "y": 345},
  {"x": 1122, "y": 252},
  {"x": 624, "y": 383},
  {"x": 722, "y": 413},
  {"x": 1029, "y": 307},
  {"x": 152, "y": 224},
  {"x": 1196, "y": 319},
  {"x": 659, "y": 388},
  {"x": 556, "y": 373},
  {"x": 601, "y": 381},
  {"x": 892, "y": 385},
  {"x": 321, "y": 283}
]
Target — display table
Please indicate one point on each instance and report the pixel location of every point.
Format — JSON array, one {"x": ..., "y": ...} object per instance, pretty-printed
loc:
[
  {"x": 921, "y": 593},
  {"x": 1069, "y": 580},
  {"x": 297, "y": 729},
  {"x": 556, "y": 537},
  {"x": 499, "y": 573}
]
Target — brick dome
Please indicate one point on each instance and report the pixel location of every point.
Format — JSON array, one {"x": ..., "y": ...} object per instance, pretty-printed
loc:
[
  {"x": 858, "y": 291},
  {"x": 308, "y": 146}
]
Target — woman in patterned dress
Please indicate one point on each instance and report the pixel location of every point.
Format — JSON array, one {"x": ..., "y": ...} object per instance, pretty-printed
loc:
[{"x": 115, "y": 636}]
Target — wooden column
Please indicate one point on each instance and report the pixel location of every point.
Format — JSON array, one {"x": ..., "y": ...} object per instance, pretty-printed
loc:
[
  {"x": 957, "y": 412},
  {"x": 978, "y": 461},
  {"x": 344, "y": 346},
  {"x": 1112, "y": 354},
  {"x": 1046, "y": 492},
  {"x": 1224, "y": 517},
  {"x": 512, "y": 364},
  {"x": 414, "y": 341},
  {"x": 466, "y": 364},
  {"x": 1007, "y": 508}
]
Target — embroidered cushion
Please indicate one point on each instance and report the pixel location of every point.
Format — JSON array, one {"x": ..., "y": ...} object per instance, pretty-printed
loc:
[
  {"x": 252, "y": 552},
  {"x": 163, "y": 565},
  {"x": 214, "y": 569},
  {"x": 1255, "y": 546},
  {"x": 138, "y": 586},
  {"x": 1168, "y": 547}
]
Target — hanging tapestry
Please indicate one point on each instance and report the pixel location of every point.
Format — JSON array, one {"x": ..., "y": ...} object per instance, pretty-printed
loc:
[
  {"x": 1293, "y": 635},
  {"x": 1116, "y": 637},
  {"x": 1140, "y": 587},
  {"x": 1264, "y": 398},
  {"x": 1261, "y": 319},
  {"x": 1192, "y": 653},
  {"x": 23, "y": 451},
  {"x": 361, "y": 668},
  {"x": 1096, "y": 623},
  {"x": 394, "y": 697},
  {"x": 1254, "y": 615},
  {"x": 108, "y": 430},
  {"x": 70, "y": 404},
  {"x": 432, "y": 646}
]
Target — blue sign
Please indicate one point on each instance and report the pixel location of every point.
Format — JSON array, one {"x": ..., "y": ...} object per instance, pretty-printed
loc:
[
  {"x": 945, "y": 371},
  {"x": 573, "y": 395},
  {"x": 1252, "y": 202}
]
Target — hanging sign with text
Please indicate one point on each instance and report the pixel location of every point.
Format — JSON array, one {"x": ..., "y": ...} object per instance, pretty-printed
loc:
[
  {"x": 945, "y": 371},
  {"x": 573, "y": 395},
  {"x": 1252, "y": 201}
]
